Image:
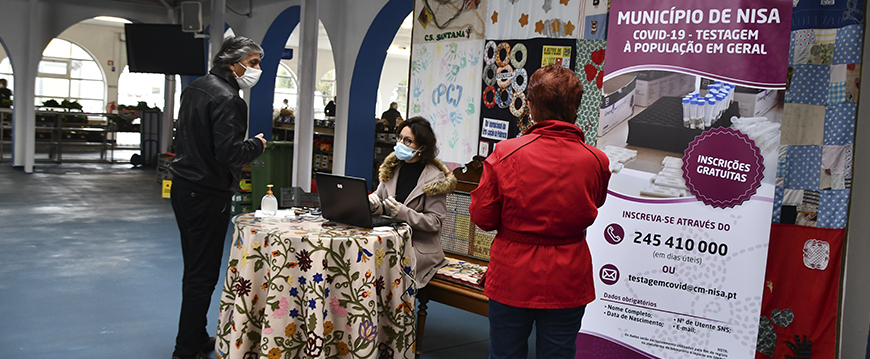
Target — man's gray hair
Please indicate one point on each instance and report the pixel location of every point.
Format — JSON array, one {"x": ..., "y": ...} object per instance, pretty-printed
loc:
[{"x": 235, "y": 49}]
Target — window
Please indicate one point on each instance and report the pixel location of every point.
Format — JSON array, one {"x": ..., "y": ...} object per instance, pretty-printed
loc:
[
  {"x": 6, "y": 73},
  {"x": 135, "y": 87},
  {"x": 285, "y": 87},
  {"x": 326, "y": 87},
  {"x": 400, "y": 96},
  {"x": 68, "y": 72}
]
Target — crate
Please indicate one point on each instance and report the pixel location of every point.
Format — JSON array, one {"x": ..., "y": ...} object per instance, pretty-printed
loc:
[
  {"x": 275, "y": 167},
  {"x": 239, "y": 208}
]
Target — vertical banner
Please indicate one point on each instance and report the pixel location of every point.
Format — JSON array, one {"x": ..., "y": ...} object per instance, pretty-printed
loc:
[
  {"x": 689, "y": 120},
  {"x": 444, "y": 89}
]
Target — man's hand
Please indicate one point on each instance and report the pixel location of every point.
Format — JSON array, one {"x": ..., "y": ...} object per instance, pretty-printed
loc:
[{"x": 260, "y": 136}]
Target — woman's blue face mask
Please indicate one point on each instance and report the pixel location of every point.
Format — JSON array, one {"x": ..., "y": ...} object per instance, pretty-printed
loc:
[{"x": 403, "y": 152}]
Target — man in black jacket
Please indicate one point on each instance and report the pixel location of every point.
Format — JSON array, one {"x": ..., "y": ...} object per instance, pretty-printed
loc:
[
  {"x": 391, "y": 115},
  {"x": 210, "y": 151}
]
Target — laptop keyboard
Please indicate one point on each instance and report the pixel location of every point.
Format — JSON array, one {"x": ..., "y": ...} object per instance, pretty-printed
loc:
[{"x": 380, "y": 221}]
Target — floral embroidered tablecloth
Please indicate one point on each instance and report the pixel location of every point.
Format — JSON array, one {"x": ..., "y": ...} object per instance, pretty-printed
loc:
[{"x": 299, "y": 289}]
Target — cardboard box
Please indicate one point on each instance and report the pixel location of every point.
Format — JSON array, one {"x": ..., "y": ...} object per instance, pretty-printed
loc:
[
  {"x": 653, "y": 85},
  {"x": 648, "y": 87},
  {"x": 617, "y": 102},
  {"x": 755, "y": 102}
]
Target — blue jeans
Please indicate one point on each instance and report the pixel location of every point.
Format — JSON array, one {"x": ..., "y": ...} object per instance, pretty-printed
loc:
[{"x": 509, "y": 329}]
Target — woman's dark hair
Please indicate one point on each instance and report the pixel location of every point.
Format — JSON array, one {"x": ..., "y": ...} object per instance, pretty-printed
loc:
[
  {"x": 423, "y": 136},
  {"x": 555, "y": 93},
  {"x": 235, "y": 49}
]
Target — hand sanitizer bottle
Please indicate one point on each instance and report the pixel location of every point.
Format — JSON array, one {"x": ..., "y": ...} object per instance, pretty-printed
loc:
[{"x": 269, "y": 204}]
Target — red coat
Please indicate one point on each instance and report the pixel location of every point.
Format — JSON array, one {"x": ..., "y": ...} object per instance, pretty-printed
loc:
[{"x": 541, "y": 191}]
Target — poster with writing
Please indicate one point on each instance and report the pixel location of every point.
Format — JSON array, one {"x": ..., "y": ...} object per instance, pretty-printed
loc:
[
  {"x": 444, "y": 88},
  {"x": 680, "y": 247},
  {"x": 700, "y": 38},
  {"x": 535, "y": 18},
  {"x": 506, "y": 67},
  {"x": 448, "y": 20}
]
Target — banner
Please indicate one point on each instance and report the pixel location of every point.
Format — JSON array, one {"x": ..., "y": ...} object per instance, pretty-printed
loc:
[
  {"x": 801, "y": 292},
  {"x": 448, "y": 20},
  {"x": 444, "y": 89},
  {"x": 680, "y": 247},
  {"x": 528, "y": 19},
  {"x": 702, "y": 38}
]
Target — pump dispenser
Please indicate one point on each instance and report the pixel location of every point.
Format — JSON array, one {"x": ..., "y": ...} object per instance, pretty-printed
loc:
[{"x": 269, "y": 204}]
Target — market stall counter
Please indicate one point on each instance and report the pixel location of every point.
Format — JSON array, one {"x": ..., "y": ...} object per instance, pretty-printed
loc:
[{"x": 298, "y": 286}]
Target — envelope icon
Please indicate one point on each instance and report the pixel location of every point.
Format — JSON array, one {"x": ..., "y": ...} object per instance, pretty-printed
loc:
[{"x": 609, "y": 274}]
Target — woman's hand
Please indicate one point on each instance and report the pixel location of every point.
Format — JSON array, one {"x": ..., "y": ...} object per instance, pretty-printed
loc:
[
  {"x": 374, "y": 202},
  {"x": 392, "y": 206}
]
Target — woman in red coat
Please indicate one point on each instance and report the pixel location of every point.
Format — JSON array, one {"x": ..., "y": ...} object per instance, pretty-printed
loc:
[{"x": 541, "y": 191}]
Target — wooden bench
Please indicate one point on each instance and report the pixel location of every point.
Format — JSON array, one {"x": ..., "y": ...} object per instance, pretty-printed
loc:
[{"x": 463, "y": 241}]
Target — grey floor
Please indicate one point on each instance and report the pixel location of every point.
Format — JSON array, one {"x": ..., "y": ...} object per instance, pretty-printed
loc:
[{"x": 90, "y": 267}]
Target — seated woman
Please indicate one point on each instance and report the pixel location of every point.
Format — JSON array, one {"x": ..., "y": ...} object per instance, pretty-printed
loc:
[{"x": 414, "y": 187}]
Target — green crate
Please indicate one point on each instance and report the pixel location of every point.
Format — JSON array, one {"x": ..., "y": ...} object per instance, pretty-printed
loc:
[
  {"x": 275, "y": 167},
  {"x": 242, "y": 198},
  {"x": 238, "y": 207}
]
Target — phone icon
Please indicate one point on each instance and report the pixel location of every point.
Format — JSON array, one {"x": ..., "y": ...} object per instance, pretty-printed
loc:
[{"x": 614, "y": 233}]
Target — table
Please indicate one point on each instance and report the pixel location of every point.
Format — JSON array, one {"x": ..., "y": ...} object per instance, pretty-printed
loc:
[{"x": 304, "y": 289}]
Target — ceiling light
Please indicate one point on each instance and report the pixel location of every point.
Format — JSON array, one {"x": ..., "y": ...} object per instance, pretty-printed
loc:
[{"x": 113, "y": 19}]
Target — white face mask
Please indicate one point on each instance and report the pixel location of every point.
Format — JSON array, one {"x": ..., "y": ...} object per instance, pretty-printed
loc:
[{"x": 249, "y": 79}]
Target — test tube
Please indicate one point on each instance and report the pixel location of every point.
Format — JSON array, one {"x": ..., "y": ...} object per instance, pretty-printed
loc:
[
  {"x": 687, "y": 112},
  {"x": 723, "y": 106},
  {"x": 693, "y": 112},
  {"x": 711, "y": 112},
  {"x": 700, "y": 120}
]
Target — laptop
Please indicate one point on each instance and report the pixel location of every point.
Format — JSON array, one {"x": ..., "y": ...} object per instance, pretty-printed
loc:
[{"x": 345, "y": 200}]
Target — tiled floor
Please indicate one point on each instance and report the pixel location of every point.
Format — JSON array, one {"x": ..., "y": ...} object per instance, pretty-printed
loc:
[{"x": 90, "y": 267}]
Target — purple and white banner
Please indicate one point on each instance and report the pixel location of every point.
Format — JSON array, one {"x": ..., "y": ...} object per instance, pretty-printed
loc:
[
  {"x": 742, "y": 42},
  {"x": 690, "y": 121}
]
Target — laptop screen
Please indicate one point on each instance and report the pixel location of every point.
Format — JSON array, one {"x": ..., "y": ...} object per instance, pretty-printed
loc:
[{"x": 344, "y": 199}]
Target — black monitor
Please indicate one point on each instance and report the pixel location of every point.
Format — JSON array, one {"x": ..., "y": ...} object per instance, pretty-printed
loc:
[{"x": 164, "y": 49}]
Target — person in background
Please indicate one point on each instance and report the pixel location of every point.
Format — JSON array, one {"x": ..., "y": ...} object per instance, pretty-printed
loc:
[
  {"x": 541, "y": 191},
  {"x": 329, "y": 110},
  {"x": 413, "y": 188},
  {"x": 391, "y": 114},
  {"x": 5, "y": 92},
  {"x": 210, "y": 151},
  {"x": 286, "y": 104}
]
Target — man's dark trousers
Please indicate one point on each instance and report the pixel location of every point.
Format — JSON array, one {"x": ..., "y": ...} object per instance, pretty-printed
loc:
[{"x": 202, "y": 221}]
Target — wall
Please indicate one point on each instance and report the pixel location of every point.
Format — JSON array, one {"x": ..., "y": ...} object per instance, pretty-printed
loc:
[{"x": 855, "y": 318}]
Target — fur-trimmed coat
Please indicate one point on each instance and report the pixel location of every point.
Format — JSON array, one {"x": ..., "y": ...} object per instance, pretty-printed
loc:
[{"x": 424, "y": 210}]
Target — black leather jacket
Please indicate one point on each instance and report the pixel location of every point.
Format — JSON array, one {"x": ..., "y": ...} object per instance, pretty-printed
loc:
[{"x": 210, "y": 144}]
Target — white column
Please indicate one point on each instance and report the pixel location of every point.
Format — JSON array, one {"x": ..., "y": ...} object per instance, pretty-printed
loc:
[
  {"x": 303, "y": 137},
  {"x": 168, "y": 100},
  {"x": 24, "y": 125},
  {"x": 216, "y": 32}
]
